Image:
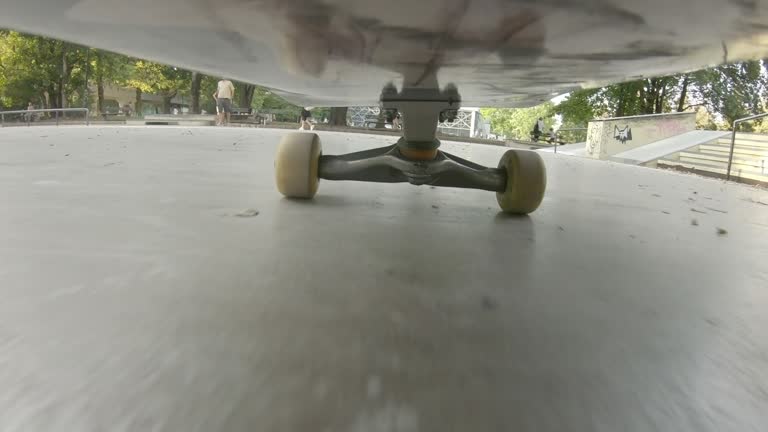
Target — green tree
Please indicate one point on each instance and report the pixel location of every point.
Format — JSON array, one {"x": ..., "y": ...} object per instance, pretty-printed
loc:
[
  {"x": 266, "y": 100},
  {"x": 732, "y": 91},
  {"x": 578, "y": 108},
  {"x": 517, "y": 123},
  {"x": 196, "y": 81},
  {"x": 107, "y": 67},
  {"x": 45, "y": 71},
  {"x": 244, "y": 94},
  {"x": 338, "y": 116},
  {"x": 166, "y": 81}
]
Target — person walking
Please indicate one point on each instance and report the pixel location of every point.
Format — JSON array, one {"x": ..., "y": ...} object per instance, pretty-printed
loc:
[{"x": 225, "y": 91}]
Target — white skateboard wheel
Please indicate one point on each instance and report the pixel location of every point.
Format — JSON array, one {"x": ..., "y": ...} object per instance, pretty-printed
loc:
[
  {"x": 296, "y": 165},
  {"x": 526, "y": 181}
]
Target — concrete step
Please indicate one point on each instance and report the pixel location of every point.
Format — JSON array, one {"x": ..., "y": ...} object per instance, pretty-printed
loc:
[
  {"x": 759, "y": 164},
  {"x": 758, "y": 160},
  {"x": 752, "y": 136},
  {"x": 743, "y": 142},
  {"x": 723, "y": 164},
  {"x": 715, "y": 170},
  {"x": 741, "y": 150}
]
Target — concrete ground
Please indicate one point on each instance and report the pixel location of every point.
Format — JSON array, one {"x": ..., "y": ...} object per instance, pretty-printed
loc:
[{"x": 152, "y": 279}]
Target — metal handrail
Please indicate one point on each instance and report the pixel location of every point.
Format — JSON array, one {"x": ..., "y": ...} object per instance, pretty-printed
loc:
[
  {"x": 56, "y": 110},
  {"x": 733, "y": 139},
  {"x": 554, "y": 143}
]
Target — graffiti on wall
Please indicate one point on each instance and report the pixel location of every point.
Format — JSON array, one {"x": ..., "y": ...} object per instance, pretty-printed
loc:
[
  {"x": 594, "y": 133},
  {"x": 622, "y": 135}
]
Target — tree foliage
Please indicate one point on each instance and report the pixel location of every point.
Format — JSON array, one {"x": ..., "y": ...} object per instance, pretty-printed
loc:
[
  {"x": 40, "y": 70},
  {"x": 166, "y": 81},
  {"x": 517, "y": 123},
  {"x": 733, "y": 91},
  {"x": 726, "y": 92}
]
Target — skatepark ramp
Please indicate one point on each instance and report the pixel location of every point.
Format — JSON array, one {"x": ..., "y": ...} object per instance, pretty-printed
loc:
[
  {"x": 671, "y": 141},
  {"x": 750, "y": 158},
  {"x": 667, "y": 147}
]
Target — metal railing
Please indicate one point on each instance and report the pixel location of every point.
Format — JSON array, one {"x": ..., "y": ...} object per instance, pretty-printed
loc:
[
  {"x": 559, "y": 138},
  {"x": 736, "y": 123},
  {"x": 29, "y": 114}
]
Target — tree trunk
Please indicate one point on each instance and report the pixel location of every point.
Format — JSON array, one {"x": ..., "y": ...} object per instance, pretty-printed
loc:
[
  {"x": 52, "y": 94},
  {"x": 649, "y": 97},
  {"x": 197, "y": 78},
  {"x": 100, "y": 96},
  {"x": 99, "y": 87},
  {"x": 64, "y": 76},
  {"x": 620, "y": 104},
  {"x": 659, "y": 106},
  {"x": 643, "y": 97},
  {"x": 167, "y": 103},
  {"x": 683, "y": 92},
  {"x": 338, "y": 116},
  {"x": 246, "y": 96},
  {"x": 137, "y": 105}
]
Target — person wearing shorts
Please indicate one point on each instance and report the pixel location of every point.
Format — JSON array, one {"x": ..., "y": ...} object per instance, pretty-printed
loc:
[
  {"x": 305, "y": 116},
  {"x": 393, "y": 117},
  {"x": 225, "y": 91}
]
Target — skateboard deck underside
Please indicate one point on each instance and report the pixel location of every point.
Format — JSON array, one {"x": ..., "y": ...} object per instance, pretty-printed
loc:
[{"x": 341, "y": 52}]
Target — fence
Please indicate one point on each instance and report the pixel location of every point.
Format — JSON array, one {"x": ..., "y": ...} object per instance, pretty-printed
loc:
[{"x": 29, "y": 114}]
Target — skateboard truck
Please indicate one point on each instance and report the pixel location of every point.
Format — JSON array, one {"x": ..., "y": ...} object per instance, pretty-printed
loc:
[
  {"x": 519, "y": 181},
  {"x": 387, "y": 165}
]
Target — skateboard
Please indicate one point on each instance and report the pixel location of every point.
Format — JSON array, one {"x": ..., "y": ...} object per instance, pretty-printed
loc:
[
  {"x": 519, "y": 180},
  {"x": 424, "y": 59}
]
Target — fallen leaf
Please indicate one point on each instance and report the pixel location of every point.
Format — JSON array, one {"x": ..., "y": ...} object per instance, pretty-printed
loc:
[{"x": 248, "y": 213}]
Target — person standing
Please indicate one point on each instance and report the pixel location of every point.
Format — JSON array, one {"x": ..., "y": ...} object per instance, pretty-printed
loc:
[
  {"x": 225, "y": 91},
  {"x": 29, "y": 116},
  {"x": 393, "y": 117},
  {"x": 538, "y": 129},
  {"x": 305, "y": 116}
]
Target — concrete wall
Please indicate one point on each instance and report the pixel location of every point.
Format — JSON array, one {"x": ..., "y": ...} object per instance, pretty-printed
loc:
[{"x": 607, "y": 137}]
